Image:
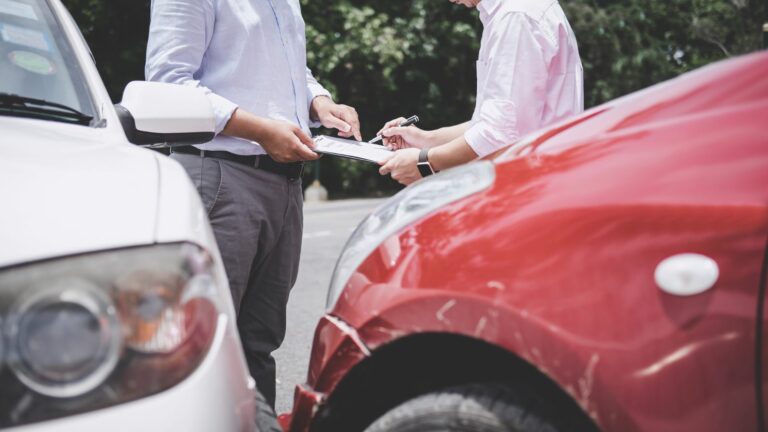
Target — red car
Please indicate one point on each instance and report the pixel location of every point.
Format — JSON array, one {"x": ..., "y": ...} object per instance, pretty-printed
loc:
[{"x": 608, "y": 273}]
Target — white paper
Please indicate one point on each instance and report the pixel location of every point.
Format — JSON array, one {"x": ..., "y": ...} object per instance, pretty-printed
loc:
[
  {"x": 24, "y": 36},
  {"x": 351, "y": 149},
  {"x": 10, "y": 7}
]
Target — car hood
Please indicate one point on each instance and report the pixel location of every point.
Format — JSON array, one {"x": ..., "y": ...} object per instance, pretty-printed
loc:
[
  {"x": 727, "y": 86},
  {"x": 72, "y": 189}
]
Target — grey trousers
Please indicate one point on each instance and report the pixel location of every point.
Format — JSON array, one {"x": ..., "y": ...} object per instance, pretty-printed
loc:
[{"x": 258, "y": 221}]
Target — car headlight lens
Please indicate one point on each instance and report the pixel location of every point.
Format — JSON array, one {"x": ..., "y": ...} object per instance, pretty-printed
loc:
[
  {"x": 412, "y": 203},
  {"x": 67, "y": 339},
  {"x": 90, "y": 331}
]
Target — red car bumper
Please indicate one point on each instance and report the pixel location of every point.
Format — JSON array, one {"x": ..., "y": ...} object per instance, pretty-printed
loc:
[{"x": 334, "y": 339}]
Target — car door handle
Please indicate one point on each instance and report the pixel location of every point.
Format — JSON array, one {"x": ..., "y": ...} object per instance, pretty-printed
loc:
[{"x": 686, "y": 274}]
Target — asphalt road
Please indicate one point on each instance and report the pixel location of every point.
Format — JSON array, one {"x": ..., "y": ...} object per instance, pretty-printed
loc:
[{"x": 327, "y": 226}]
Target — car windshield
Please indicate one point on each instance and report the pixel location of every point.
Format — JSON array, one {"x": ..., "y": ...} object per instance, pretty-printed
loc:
[{"x": 41, "y": 77}]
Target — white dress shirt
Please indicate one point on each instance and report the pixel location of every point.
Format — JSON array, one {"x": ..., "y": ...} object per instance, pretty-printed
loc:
[
  {"x": 529, "y": 73},
  {"x": 243, "y": 53}
]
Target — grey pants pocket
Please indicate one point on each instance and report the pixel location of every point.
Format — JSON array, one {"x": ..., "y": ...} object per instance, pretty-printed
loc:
[
  {"x": 211, "y": 184},
  {"x": 206, "y": 176}
]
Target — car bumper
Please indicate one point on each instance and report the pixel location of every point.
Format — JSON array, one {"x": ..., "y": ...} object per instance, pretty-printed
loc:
[
  {"x": 218, "y": 396},
  {"x": 336, "y": 349}
]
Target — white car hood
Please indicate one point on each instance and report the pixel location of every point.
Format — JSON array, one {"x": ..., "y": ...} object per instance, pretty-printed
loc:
[{"x": 70, "y": 189}]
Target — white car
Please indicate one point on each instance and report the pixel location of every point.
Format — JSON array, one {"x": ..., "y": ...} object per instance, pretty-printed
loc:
[{"x": 114, "y": 306}]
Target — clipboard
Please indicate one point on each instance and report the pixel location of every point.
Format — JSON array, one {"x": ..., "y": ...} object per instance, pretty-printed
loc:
[{"x": 351, "y": 149}]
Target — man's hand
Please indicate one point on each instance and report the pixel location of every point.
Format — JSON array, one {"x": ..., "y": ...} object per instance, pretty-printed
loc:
[
  {"x": 402, "y": 166},
  {"x": 397, "y": 137},
  {"x": 285, "y": 142},
  {"x": 335, "y": 116}
]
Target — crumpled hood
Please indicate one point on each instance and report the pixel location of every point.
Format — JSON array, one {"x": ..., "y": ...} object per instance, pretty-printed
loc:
[{"x": 70, "y": 189}]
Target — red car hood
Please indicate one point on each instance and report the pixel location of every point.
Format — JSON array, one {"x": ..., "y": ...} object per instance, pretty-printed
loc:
[{"x": 719, "y": 88}]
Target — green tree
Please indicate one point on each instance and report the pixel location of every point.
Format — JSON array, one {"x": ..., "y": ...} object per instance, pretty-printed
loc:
[
  {"x": 391, "y": 58},
  {"x": 627, "y": 45},
  {"x": 116, "y": 31}
]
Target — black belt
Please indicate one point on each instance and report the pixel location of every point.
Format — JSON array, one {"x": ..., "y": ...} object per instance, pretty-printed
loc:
[{"x": 291, "y": 170}]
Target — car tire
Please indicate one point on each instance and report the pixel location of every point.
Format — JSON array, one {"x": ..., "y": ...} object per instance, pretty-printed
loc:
[
  {"x": 471, "y": 408},
  {"x": 266, "y": 419}
]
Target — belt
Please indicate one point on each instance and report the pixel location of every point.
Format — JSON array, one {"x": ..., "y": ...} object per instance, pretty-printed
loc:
[{"x": 291, "y": 170}]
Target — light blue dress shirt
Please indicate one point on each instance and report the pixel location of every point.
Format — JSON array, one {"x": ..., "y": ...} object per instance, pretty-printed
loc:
[{"x": 243, "y": 53}]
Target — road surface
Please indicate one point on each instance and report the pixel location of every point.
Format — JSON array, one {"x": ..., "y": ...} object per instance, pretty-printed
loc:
[{"x": 327, "y": 226}]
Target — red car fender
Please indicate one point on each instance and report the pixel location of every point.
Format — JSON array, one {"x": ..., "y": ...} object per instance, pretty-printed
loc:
[{"x": 517, "y": 330}]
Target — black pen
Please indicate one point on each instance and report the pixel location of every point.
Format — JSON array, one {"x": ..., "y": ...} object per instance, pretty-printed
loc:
[{"x": 407, "y": 122}]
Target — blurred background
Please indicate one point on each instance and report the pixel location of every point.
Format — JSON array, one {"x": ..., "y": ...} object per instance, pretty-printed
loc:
[{"x": 389, "y": 58}]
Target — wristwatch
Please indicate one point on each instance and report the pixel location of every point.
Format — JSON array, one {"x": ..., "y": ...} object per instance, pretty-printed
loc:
[{"x": 425, "y": 168}]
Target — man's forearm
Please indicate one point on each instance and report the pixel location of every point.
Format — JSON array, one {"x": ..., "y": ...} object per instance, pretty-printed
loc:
[
  {"x": 244, "y": 125},
  {"x": 449, "y": 155},
  {"x": 283, "y": 141}
]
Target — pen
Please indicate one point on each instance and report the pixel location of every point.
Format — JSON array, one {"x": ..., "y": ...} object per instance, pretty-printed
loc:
[{"x": 407, "y": 122}]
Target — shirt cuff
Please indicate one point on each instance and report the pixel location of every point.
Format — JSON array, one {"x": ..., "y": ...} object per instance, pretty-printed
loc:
[
  {"x": 315, "y": 90},
  {"x": 495, "y": 128},
  {"x": 222, "y": 110}
]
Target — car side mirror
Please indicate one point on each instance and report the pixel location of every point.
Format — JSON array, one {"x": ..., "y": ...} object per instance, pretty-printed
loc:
[{"x": 169, "y": 114}]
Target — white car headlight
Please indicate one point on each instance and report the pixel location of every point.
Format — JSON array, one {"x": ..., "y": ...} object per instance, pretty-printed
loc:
[
  {"x": 89, "y": 331},
  {"x": 411, "y": 204}
]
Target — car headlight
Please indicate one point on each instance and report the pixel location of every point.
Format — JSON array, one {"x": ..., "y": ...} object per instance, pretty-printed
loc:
[
  {"x": 90, "y": 331},
  {"x": 412, "y": 203},
  {"x": 66, "y": 338}
]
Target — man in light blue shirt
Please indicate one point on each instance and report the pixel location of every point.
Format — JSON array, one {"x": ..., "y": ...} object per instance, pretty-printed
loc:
[{"x": 249, "y": 56}]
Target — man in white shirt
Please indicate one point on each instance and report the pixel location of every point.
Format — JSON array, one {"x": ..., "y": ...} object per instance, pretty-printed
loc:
[
  {"x": 529, "y": 75},
  {"x": 249, "y": 57}
]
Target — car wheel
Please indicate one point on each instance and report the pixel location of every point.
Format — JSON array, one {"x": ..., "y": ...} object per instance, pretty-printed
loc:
[
  {"x": 471, "y": 408},
  {"x": 266, "y": 419}
]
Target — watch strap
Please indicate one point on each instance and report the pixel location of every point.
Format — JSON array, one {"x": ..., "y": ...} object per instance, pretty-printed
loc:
[{"x": 425, "y": 168}]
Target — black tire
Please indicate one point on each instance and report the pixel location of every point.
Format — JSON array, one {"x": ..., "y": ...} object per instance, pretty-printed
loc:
[
  {"x": 266, "y": 419},
  {"x": 471, "y": 408}
]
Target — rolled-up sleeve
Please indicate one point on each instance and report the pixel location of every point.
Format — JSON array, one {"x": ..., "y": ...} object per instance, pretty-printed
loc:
[
  {"x": 179, "y": 34},
  {"x": 314, "y": 89},
  {"x": 512, "y": 93}
]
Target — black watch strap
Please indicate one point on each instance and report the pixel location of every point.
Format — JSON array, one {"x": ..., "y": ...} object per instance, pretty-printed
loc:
[{"x": 425, "y": 168}]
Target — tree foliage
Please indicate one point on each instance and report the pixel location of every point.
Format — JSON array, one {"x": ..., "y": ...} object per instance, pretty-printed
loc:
[{"x": 392, "y": 58}]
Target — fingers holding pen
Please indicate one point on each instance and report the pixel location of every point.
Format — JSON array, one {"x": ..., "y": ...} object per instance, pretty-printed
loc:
[
  {"x": 399, "y": 137},
  {"x": 389, "y": 142},
  {"x": 390, "y": 124}
]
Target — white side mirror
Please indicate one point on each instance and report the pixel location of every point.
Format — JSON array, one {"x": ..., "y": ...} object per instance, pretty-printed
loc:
[{"x": 153, "y": 113}]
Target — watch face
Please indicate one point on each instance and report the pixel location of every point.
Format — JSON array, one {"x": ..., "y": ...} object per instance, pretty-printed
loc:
[{"x": 425, "y": 169}]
